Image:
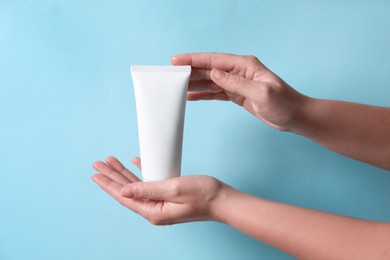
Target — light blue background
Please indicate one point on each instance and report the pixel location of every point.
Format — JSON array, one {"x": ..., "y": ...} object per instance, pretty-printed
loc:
[{"x": 66, "y": 100}]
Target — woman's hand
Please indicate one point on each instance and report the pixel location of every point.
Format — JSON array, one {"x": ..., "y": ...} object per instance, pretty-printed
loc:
[
  {"x": 303, "y": 233},
  {"x": 177, "y": 200},
  {"x": 248, "y": 83}
]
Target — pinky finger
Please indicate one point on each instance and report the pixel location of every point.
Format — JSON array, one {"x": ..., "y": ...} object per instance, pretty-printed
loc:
[{"x": 194, "y": 96}]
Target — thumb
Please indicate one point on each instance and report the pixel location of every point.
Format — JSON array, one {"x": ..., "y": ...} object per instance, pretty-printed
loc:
[
  {"x": 146, "y": 190},
  {"x": 232, "y": 83}
]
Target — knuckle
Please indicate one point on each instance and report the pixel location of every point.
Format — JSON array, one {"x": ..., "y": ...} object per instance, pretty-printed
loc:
[
  {"x": 142, "y": 191},
  {"x": 252, "y": 59}
]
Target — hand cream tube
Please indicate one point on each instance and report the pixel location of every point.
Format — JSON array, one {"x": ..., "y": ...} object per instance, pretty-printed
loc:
[{"x": 160, "y": 97}]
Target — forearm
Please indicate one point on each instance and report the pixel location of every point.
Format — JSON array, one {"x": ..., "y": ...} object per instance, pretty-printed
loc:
[
  {"x": 305, "y": 233},
  {"x": 358, "y": 131}
]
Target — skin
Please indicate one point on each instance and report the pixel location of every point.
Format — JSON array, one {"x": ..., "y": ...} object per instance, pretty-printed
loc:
[{"x": 355, "y": 130}]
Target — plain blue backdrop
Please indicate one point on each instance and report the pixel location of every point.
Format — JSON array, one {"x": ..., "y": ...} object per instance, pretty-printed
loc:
[{"x": 66, "y": 100}]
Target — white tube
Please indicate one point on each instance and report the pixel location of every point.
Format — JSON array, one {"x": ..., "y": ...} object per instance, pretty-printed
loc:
[{"x": 160, "y": 96}]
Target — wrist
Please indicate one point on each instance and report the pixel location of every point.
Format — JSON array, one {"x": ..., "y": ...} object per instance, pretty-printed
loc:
[
  {"x": 221, "y": 208},
  {"x": 302, "y": 120}
]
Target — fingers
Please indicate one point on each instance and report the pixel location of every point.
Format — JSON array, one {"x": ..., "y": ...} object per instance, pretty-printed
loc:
[
  {"x": 108, "y": 171},
  {"x": 195, "y": 96},
  {"x": 233, "y": 83},
  {"x": 111, "y": 187},
  {"x": 137, "y": 162},
  {"x": 200, "y": 74},
  {"x": 159, "y": 190},
  {"x": 118, "y": 166},
  {"x": 204, "y": 85},
  {"x": 221, "y": 61},
  {"x": 114, "y": 189}
]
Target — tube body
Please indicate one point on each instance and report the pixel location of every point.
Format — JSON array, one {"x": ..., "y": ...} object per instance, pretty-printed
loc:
[{"x": 160, "y": 96}]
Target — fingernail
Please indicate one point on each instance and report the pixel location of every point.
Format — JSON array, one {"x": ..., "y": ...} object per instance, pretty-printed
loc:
[
  {"x": 218, "y": 74},
  {"x": 128, "y": 191}
]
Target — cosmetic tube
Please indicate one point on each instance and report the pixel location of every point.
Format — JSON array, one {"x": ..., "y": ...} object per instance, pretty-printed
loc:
[{"x": 160, "y": 97}]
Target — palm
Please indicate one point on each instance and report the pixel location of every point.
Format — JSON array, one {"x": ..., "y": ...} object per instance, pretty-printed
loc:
[{"x": 184, "y": 198}]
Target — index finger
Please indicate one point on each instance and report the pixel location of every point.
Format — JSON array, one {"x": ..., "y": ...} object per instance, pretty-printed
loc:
[{"x": 209, "y": 60}]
